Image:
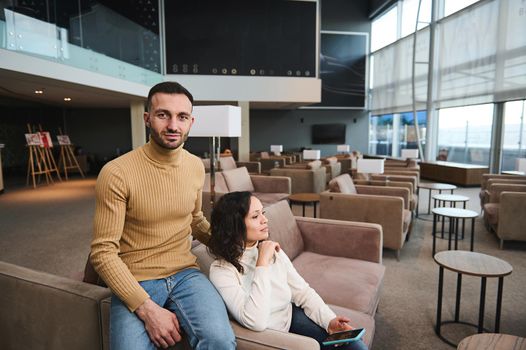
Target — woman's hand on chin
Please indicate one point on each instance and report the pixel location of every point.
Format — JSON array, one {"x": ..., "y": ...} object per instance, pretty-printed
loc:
[{"x": 267, "y": 249}]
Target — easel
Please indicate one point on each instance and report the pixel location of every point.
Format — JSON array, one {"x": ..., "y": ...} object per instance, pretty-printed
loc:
[
  {"x": 67, "y": 158},
  {"x": 49, "y": 155},
  {"x": 37, "y": 164}
]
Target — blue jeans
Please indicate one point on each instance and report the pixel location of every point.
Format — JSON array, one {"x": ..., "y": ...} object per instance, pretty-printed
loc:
[
  {"x": 198, "y": 306},
  {"x": 303, "y": 325}
]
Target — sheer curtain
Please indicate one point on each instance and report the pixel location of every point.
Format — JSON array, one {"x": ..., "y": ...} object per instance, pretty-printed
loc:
[{"x": 481, "y": 59}]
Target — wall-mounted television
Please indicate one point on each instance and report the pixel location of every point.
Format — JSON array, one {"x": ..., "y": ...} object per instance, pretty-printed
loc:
[{"x": 333, "y": 134}]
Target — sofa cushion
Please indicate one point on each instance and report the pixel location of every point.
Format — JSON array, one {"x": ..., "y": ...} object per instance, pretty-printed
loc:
[
  {"x": 328, "y": 275},
  {"x": 270, "y": 198},
  {"x": 283, "y": 228},
  {"x": 220, "y": 184},
  {"x": 227, "y": 163},
  {"x": 491, "y": 212},
  {"x": 331, "y": 160},
  {"x": 343, "y": 184},
  {"x": 238, "y": 180},
  {"x": 315, "y": 164}
]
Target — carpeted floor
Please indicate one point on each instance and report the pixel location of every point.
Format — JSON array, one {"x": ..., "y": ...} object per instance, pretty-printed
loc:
[{"x": 49, "y": 229}]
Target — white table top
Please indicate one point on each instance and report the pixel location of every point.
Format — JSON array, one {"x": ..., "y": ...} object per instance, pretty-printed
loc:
[
  {"x": 455, "y": 212},
  {"x": 450, "y": 197}
]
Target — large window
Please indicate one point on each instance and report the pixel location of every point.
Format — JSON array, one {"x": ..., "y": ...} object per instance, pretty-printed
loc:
[
  {"x": 390, "y": 133},
  {"x": 514, "y": 140},
  {"x": 381, "y": 134},
  {"x": 384, "y": 29},
  {"x": 464, "y": 133},
  {"x": 410, "y": 15},
  {"x": 452, "y": 6}
]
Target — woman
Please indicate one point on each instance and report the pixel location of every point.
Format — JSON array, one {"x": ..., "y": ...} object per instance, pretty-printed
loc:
[{"x": 256, "y": 279}]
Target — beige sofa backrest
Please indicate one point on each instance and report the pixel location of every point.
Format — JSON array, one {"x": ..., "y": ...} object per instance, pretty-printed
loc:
[
  {"x": 284, "y": 229},
  {"x": 227, "y": 163}
]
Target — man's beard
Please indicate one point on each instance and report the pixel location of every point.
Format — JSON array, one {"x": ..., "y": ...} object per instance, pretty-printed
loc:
[{"x": 168, "y": 145}]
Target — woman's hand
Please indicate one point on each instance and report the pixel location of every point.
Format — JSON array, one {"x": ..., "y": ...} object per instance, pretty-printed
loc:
[
  {"x": 339, "y": 324},
  {"x": 267, "y": 249}
]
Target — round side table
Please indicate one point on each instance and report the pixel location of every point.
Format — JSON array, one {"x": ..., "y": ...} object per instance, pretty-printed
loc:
[
  {"x": 492, "y": 341},
  {"x": 432, "y": 186},
  {"x": 454, "y": 215},
  {"x": 473, "y": 264},
  {"x": 305, "y": 198}
]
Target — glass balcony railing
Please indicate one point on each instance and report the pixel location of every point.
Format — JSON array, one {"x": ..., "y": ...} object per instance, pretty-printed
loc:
[{"x": 95, "y": 38}]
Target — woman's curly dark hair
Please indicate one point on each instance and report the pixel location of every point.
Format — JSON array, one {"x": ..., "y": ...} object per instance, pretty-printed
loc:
[{"x": 229, "y": 232}]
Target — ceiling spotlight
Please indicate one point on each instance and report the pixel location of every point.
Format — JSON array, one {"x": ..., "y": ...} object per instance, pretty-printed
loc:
[
  {"x": 38, "y": 92},
  {"x": 67, "y": 99}
]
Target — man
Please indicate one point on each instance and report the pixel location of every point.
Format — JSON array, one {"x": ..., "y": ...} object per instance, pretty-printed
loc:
[{"x": 148, "y": 203}]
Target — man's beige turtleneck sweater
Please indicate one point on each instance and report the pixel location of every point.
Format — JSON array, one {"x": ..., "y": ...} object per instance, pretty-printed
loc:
[{"x": 148, "y": 202}]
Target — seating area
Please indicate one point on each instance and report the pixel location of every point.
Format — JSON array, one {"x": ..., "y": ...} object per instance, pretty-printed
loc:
[{"x": 351, "y": 264}]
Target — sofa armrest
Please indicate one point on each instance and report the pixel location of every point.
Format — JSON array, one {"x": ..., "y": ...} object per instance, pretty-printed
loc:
[
  {"x": 252, "y": 167},
  {"x": 355, "y": 240},
  {"x": 303, "y": 180},
  {"x": 267, "y": 163},
  {"x": 386, "y": 191},
  {"x": 271, "y": 184},
  {"x": 383, "y": 210},
  {"x": 512, "y": 220},
  {"x": 271, "y": 339},
  {"x": 44, "y": 311},
  {"x": 496, "y": 189}
]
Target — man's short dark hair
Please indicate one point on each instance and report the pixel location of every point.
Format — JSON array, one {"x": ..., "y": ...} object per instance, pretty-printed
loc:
[{"x": 168, "y": 87}]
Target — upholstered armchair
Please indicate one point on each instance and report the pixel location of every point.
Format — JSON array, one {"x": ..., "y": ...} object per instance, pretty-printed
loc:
[
  {"x": 386, "y": 206},
  {"x": 413, "y": 197},
  {"x": 305, "y": 177},
  {"x": 333, "y": 167},
  {"x": 342, "y": 261},
  {"x": 229, "y": 163},
  {"x": 505, "y": 212},
  {"x": 488, "y": 179},
  {"x": 269, "y": 189}
]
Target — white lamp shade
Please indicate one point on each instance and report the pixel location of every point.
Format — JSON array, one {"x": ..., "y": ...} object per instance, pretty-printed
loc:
[
  {"x": 409, "y": 153},
  {"x": 370, "y": 166},
  {"x": 311, "y": 154},
  {"x": 343, "y": 148},
  {"x": 276, "y": 148},
  {"x": 219, "y": 121},
  {"x": 520, "y": 164}
]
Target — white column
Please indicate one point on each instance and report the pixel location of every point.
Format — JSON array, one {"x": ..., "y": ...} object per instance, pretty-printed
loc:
[
  {"x": 138, "y": 130},
  {"x": 244, "y": 140}
]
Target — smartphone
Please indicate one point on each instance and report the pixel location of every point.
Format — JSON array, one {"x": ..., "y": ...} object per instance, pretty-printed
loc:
[{"x": 344, "y": 337}]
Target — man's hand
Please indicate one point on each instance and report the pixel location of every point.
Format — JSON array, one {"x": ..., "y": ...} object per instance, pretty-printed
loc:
[
  {"x": 161, "y": 324},
  {"x": 339, "y": 324}
]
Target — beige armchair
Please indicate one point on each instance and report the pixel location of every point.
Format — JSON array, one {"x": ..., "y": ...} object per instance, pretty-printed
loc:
[
  {"x": 229, "y": 163},
  {"x": 386, "y": 206},
  {"x": 333, "y": 167},
  {"x": 268, "y": 189},
  {"x": 488, "y": 179},
  {"x": 505, "y": 212},
  {"x": 413, "y": 197},
  {"x": 305, "y": 178},
  {"x": 352, "y": 284}
]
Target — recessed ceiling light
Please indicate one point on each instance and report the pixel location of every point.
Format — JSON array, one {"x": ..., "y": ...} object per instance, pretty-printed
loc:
[
  {"x": 67, "y": 99},
  {"x": 38, "y": 92}
]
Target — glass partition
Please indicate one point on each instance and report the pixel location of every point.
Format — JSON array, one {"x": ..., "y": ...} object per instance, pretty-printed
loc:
[
  {"x": 408, "y": 136},
  {"x": 117, "y": 38}
]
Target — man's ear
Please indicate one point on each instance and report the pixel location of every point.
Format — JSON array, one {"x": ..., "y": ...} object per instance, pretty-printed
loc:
[{"x": 147, "y": 119}]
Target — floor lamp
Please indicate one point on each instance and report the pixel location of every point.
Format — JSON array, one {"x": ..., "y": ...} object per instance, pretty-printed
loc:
[{"x": 212, "y": 122}]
